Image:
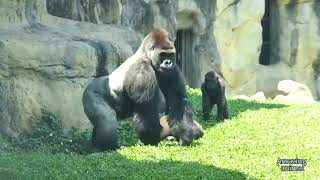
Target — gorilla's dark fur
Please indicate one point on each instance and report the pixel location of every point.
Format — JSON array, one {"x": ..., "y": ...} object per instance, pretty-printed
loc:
[
  {"x": 213, "y": 92},
  {"x": 178, "y": 107},
  {"x": 188, "y": 118},
  {"x": 134, "y": 89}
]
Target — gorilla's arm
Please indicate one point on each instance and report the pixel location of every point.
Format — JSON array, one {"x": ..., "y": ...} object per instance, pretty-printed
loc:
[
  {"x": 147, "y": 124},
  {"x": 181, "y": 122},
  {"x": 142, "y": 89},
  {"x": 206, "y": 104},
  {"x": 222, "y": 103},
  {"x": 173, "y": 87}
]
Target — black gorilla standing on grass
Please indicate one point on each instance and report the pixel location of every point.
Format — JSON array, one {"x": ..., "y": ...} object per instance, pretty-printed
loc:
[
  {"x": 213, "y": 92},
  {"x": 133, "y": 89}
]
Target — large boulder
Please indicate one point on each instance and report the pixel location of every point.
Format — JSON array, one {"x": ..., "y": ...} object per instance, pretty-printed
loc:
[
  {"x": 294, "y": 92},
  {"x": 268, "y": 78},
  {"x": 45, "y": 63},
  {"x": 237, "y": 30}
]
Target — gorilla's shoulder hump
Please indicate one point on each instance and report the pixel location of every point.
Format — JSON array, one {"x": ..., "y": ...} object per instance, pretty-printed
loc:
[{"x": 140, "y": 82}]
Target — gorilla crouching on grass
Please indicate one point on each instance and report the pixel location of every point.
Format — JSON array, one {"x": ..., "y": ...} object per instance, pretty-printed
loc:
[
  {"x": 213, "y": 93},
  {"x": 134, "y": 89}
]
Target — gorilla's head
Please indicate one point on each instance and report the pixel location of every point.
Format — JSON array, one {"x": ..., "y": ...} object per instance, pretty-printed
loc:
[
  {"x": 159, "y": 49},
  {"x": 211, "y": 80}
]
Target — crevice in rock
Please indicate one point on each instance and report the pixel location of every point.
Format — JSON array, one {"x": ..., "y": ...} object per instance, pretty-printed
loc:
[
  {"x": 101, "y": 53},
  {"x": 316, "y": 65},
  {"x": 35, "y": 28},
  {"x": 53, "y": 65},
  {"x": 234, "y": 3},
  {"x": 294, "y": 44},
  {"x": 30, "y": 17},
  {"x": 316, "y": 62},
  {"x": 292, "y": 10},
  {"x": 275, "y": 31},
  {"x": 316, "y": 8}
]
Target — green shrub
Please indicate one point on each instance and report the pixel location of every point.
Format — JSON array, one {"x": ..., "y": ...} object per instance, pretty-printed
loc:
[{"x": 48, "y": 133}]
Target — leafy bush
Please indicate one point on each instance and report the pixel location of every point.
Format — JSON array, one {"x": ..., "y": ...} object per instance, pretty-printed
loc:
[{"x": 48, "y": 133}]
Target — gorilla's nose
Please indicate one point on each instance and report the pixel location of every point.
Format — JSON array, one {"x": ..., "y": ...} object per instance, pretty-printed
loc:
[{"x": 168, "y": 62}]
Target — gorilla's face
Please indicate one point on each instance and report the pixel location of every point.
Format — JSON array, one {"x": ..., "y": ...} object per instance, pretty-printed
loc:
[
  {"x": 160, "y": 50},
  {"x": 211, "y": 80},
  {"x": 188, "y": 129},
  {"x": 166, "y": 61}
]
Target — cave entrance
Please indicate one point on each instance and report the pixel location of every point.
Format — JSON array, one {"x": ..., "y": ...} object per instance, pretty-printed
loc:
[
  {"x": 183, "y": 45},
  {"x": 264, "y": 58}
]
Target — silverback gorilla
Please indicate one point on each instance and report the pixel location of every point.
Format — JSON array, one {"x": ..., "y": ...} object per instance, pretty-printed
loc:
[
  {"x": 213, "y": 92},
  {"x": 134, "y": 89}
]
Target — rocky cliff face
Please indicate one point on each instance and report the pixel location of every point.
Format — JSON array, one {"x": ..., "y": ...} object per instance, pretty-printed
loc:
[
  {"x": 238, "y": 30},
  {"x": 46, "y": 61},
  {"x": 296, "y": 35},
  {"x": 49, "y": 50},
  {"x": 227, "y": 34}
]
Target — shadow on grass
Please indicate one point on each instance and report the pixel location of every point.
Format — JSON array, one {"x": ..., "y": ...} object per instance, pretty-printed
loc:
[
  {"x": 235, "y": 107},
  {"x": 106, "y": 165}
]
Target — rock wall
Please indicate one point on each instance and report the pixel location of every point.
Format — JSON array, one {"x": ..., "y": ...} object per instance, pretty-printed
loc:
[
  {"x": 296, "y": 35},
  {"x": 143, "y": 16},
  {"x": 237, "y": 30},
  {"x": 96, "y": 11},
  {"x": 45, "y": 63},
  {"x": 226, "y": 34}
]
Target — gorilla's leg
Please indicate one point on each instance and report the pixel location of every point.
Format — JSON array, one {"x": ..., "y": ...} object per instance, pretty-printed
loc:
[
  {"x": 104, "y": 121},
  {"x": 147, "y": 124},
  {"x": 222, "y": 109},
  {"x": 206, "y": 107},
  {"x": 225, "y": 114}
]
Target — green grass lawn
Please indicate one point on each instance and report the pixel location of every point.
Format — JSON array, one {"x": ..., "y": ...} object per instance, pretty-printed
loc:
[{"x": 247, "y": 145}]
